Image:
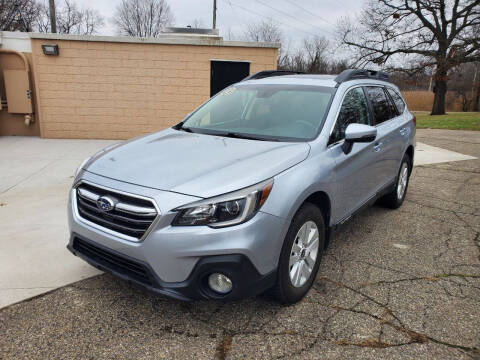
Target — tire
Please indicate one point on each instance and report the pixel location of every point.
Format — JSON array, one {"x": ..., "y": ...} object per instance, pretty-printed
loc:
[
  {"x": 394, "y": 199},
  {"x": 286, "y": 289}
]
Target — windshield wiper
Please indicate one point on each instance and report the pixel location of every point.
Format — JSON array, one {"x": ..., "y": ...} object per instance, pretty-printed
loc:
[
  {"x": 237, "y": 135},
  {"x": 180, "y": 126},
  {"x": 230, "y": 134}
]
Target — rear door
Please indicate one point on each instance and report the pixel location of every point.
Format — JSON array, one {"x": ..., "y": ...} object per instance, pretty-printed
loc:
[
  {"x": 402, "y": 130},
  {"x": 354, "y": 172},
  {"x": 386, "y": 144}
]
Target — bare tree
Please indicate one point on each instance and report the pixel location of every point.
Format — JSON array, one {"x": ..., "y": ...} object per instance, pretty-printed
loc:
[
  {"x": 312, "y": 57},
  {"x": 419, "y": 33},
  {"x": 18, "y": 15},
  {"x": 266, "y": 30},
  {"x": 315, "y": 53},
  {"x": 68, "y": 18},
  {"x": 71, "y": 19},
  {"x": 143, "y": 18},
  {"x": 229, "y": 35},
  {"x": 419, "y": 80},
  {"x": 92, "y": 21},
  {"x": 197, "y": 24},
  {"x": 43, "y": 20},
  {"x": 463, "y": 82}
]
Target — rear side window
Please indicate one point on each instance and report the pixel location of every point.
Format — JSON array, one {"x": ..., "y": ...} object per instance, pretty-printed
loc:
[
  {"x": 382, "y": 107},
  {"x": 354, "y": 110},
  {"x": 397, "y": 100}
]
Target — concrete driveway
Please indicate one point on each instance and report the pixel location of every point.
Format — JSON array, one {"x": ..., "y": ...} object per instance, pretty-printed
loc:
[
  {"x": 35, "y": 175},
  {"x": 393, "y": 284}
]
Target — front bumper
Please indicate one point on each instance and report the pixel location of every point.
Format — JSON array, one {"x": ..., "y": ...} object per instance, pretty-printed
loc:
[
  {"x": 176, "y": 259},
  {"x": 247, "y": 281}
]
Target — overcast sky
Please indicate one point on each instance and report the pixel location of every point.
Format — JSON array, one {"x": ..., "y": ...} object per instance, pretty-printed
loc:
[{"x": 297, "y": 18}]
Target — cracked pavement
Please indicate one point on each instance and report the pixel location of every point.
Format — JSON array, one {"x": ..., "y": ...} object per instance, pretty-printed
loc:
[{"x": 401, "y": 284}]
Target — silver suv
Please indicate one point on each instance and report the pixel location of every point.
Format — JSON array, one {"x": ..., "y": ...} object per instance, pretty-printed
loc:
[{"x": 242, "y": 196}]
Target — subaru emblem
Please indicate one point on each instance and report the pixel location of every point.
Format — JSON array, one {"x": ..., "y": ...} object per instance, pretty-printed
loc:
[{"x": 105, "y": 203}]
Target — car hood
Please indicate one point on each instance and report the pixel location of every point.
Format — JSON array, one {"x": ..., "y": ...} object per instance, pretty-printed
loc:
[{"x": 196, "y": 164}]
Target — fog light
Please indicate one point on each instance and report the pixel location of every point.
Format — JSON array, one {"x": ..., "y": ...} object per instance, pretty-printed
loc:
[{"x": 220, "y": 283}]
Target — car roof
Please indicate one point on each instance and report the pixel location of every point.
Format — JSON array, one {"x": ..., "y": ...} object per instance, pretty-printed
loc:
[
  {"x": 312, "y": 80},
  {"x": 316, "y": 80}
]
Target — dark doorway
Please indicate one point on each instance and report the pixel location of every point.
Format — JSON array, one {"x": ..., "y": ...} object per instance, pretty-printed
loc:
[{"x": 226, "y": 73}]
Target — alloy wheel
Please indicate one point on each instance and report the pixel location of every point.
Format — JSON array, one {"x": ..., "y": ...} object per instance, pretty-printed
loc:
[
  {"x": 402, "y": 181},
  {"x": 303, "y": 254}
]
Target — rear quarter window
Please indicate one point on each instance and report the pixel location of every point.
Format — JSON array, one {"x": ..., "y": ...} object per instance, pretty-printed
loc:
[
  {"x": 397, "y": 99},
  {"x": 382, "y": 107}
]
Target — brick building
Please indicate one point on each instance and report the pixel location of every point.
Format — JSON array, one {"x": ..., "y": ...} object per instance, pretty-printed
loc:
[{"x": 120, "y": 87}]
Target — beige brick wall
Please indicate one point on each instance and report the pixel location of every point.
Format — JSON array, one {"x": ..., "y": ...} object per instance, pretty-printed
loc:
[{"x": 111, "y": 90}]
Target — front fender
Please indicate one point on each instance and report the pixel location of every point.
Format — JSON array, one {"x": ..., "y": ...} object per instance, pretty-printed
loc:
[{"x": 292, "y": 187}]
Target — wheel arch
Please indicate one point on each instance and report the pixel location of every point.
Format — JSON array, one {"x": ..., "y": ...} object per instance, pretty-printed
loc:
[
  {"x": 321, "y": 200},
  {"x": 410, "y": 152}
]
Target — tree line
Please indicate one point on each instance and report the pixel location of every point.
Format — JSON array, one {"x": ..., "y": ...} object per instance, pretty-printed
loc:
[
  {"x": 318, "y": 55},
  {"x": 434, "y": 40},
  {"x": 414, "y": 36},
  {"x": 438, "y": 40},
  {"x": 144, "y": 18}
]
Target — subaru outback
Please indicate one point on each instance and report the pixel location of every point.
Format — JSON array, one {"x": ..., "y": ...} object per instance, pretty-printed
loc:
[{"x": 242, "y": 196}]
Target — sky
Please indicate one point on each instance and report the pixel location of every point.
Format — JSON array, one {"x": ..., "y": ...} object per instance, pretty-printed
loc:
[{"x": 297, "y": 18}]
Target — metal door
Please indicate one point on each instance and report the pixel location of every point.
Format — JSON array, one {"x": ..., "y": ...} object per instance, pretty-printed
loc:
[
  {"x": 226, "y": 73},
  {"x": 19, "y": 95}
]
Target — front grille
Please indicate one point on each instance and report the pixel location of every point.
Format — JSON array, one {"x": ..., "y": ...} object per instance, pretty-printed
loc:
[
  {"x": 113, "y": 261},
  {"x": 129, "y": 215}
]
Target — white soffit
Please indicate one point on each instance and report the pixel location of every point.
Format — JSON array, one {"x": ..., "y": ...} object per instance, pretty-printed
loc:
[{"x": 15, "y": 40}]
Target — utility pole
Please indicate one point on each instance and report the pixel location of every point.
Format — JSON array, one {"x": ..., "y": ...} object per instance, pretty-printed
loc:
[
  {"x": 476, "y": 98},
  {"x": 53, "y": 17},
  {"x": 473, "y": 84},
  {"x": 214, "y": 14}
]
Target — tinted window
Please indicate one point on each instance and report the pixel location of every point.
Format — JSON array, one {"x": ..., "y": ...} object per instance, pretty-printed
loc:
[
  {"x": 397, "y": 100},
  {"x": 382, "y": 107},
  {"x": 354, "y": 110}
]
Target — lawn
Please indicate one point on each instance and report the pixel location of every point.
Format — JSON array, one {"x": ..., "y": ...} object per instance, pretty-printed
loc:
[{"x": 452, "y": 121}]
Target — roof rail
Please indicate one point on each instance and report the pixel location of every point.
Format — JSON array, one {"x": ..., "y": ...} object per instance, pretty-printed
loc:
[
  {"x": 354, "y": 74},
  {"x": 270, "y": 73}
]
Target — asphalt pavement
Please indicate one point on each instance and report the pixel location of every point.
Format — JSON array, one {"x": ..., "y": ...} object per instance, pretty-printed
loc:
[{"x": 393, "y": 284}]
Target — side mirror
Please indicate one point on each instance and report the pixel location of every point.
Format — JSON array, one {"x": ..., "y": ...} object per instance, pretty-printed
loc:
[{"x": 358, "y": 133}]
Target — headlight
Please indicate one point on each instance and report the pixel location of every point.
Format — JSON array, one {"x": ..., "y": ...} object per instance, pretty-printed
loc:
[{"x": 225, "y": 210}]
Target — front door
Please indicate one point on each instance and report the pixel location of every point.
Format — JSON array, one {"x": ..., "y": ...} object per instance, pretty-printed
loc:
[
  {"x": 354, "y": 172},
  {"x": 226, "y": 73}
]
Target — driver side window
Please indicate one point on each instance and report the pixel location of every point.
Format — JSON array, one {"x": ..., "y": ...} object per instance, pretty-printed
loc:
[{"x": 354, "y": 110}]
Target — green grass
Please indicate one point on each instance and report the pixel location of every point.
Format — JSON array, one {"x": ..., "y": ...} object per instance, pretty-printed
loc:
[{"x": 452, "y": 121}]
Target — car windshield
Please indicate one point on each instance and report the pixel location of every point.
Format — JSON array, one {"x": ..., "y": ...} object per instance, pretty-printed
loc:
[{"x": 263, "y": 112}]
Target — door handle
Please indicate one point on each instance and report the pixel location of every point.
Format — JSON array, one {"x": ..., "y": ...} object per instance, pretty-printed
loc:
[{"x": 377, "y": 147}]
